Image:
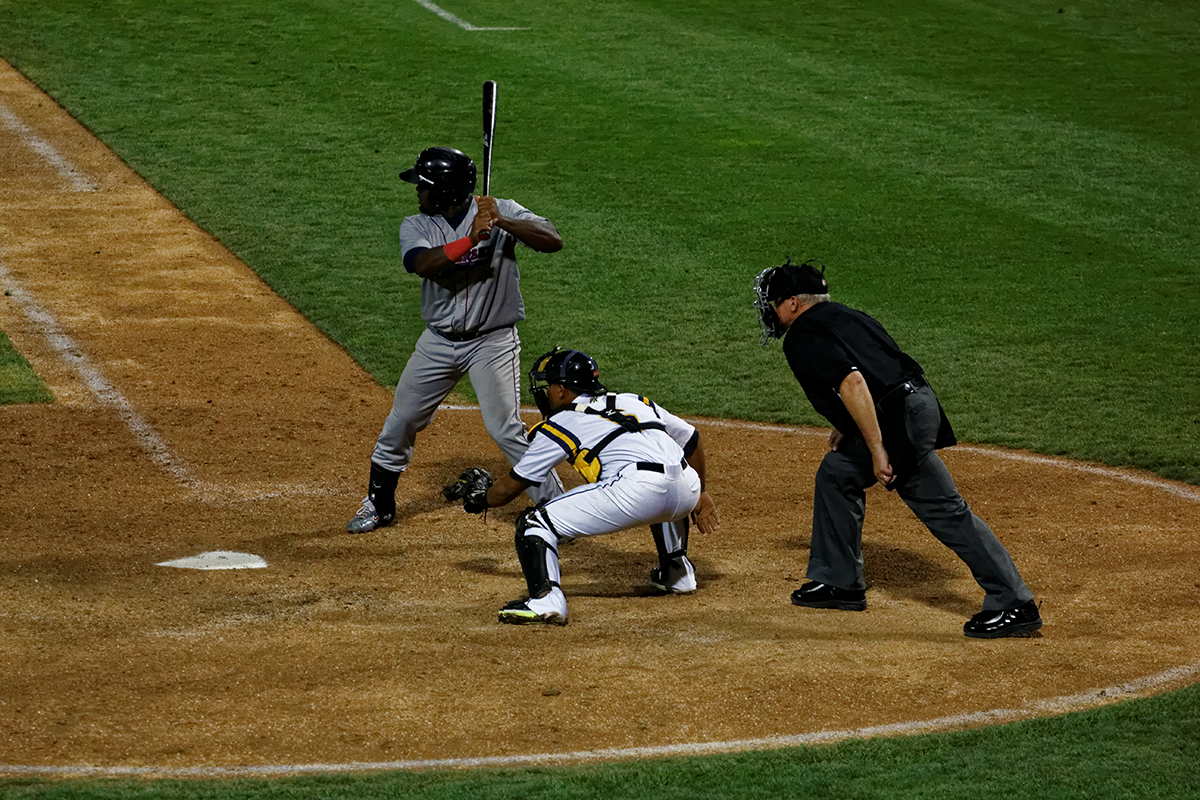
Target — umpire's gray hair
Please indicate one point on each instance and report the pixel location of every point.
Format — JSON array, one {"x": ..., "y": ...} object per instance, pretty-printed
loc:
[{"x": 812, "y": 299}]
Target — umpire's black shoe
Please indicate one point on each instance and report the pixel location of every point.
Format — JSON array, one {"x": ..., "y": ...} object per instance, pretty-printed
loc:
[
  {"x": 1009, "y": 622},
  {"x": 822, "y": 595}
]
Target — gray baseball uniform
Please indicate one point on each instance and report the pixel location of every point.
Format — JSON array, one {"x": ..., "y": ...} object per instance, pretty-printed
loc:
[{"x": 470, "y": 314}]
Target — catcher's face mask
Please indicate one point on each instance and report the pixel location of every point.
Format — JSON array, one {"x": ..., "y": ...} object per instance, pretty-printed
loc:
[
  {"x": 539, "y": 383},
  {"x": 570, "y": 368}
]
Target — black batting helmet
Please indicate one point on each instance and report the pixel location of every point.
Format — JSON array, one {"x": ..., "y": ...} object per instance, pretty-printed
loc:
[
  {"x": 570, "y": 368},
  {"x": 448, "y": 173}
]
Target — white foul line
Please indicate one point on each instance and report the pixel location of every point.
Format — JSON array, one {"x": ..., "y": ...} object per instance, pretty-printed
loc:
[
  {"x": 79, "y": 182},
  {"x": 66, "y": 347},
  {"x": 1055, "y": 705},
  {"x": 105, "y": 392},
  {"x": 1075, "y": 466},
  {"x": 466, "y": 26}
]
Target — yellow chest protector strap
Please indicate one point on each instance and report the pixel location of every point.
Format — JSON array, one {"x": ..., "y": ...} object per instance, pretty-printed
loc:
[{"x": 584, "y": 460}]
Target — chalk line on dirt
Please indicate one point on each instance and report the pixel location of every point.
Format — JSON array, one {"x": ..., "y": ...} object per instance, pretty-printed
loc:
[
  {"x": 72, "y": 174},
  {"x": 1076, "y": 702},
  {"x": 64, "y": 345},
  {"x": 105, "y": 392}
]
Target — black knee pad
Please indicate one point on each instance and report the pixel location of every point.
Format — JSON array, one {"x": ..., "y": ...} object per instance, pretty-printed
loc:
[
  {"x": 525, "y": 520},
  {"x": 531, "y": 552}
]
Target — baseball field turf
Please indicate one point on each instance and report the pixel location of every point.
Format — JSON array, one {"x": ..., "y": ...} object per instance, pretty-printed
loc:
[{"x": 1010, "y": 188}]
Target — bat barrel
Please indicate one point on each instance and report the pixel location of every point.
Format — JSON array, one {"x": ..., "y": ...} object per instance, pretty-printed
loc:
[{"x": 489, "y": 131}]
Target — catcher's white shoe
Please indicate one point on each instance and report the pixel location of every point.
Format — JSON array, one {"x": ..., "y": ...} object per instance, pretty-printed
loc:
[
  {"x": 680, "y": 579},
  {"x": 548, "y": 610}
]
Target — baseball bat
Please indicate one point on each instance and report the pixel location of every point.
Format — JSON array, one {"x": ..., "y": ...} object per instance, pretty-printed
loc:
[{"x": 489, "y": 134}]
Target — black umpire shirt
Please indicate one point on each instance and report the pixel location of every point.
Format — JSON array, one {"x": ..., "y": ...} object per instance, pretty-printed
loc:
[{"x": 828, "y": 342}]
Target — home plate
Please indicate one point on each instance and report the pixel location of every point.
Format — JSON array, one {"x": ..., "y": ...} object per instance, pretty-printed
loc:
[{"x": 218, "y": 559}]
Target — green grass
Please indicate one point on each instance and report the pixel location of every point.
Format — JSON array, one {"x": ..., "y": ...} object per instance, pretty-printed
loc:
[
  {"x": 1010, "y": 188},
  {"x": 1147, "y": 748},
  {"x": 18, "y": 382}
]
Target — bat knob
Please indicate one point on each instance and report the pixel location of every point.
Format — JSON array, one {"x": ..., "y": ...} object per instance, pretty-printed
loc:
[{"x": 484, "y": 235}]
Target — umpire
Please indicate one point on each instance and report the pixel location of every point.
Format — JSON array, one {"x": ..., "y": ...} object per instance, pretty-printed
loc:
[{"x": 888, "y": 426}]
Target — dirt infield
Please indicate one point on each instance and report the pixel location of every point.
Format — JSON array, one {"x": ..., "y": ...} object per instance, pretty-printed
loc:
[{"x": 197, "y": 411}]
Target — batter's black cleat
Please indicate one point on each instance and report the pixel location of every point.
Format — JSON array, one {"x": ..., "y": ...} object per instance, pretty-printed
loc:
[
  {"x": 1019, "y": 621},
  {"x": 822, "y": 595},
  {"x": 368, "y": 519}
]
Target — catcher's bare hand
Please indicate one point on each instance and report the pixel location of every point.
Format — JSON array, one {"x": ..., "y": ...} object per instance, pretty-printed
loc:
[{"x": 705, "y": 515}]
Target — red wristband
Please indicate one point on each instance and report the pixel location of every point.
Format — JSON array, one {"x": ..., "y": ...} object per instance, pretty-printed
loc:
[{"x": 458, "y": 248}]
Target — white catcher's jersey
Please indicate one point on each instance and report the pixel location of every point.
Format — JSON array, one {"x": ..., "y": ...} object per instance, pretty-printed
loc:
[
  {"x": 483, "y": 291},
  {"x": 572, "y": 434}
]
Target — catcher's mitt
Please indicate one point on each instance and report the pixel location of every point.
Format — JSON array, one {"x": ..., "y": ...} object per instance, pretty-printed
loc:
[{"x": 470, "y": 487}]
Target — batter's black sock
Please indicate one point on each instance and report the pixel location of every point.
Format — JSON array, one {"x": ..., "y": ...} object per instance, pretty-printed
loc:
[{"x": 382, "y": 491}]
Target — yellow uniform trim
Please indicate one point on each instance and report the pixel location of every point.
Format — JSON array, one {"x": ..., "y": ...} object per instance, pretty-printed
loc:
[{"x": 577, "y": 456}]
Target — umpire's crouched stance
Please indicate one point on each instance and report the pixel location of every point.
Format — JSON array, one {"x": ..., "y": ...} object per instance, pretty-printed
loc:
[{"x": 888, "y": 426}]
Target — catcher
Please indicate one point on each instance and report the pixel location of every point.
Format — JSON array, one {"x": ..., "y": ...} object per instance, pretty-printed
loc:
[{"x": 643, "y": 466}]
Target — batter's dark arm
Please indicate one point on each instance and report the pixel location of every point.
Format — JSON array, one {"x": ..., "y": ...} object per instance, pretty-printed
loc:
[
  {"x": 540, "y": 236},
  {"x": 432, "y": 262}
]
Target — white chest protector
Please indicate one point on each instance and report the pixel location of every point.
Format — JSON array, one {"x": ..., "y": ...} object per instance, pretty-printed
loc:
[{"x": 599, "y": 436}]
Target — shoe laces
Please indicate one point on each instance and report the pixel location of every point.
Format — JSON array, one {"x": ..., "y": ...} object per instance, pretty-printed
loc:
[{"x": 368, "y": 508}]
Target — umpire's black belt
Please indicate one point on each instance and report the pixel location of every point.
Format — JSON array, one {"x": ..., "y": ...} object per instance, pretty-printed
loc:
[
  {"x": 466, "y": 336},
  {"x": 904, "y": 390}
]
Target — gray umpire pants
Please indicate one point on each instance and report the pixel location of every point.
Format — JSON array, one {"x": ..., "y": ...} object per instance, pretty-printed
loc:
[
  {"x": 493, "y": 363},
  {"x": 840, "y": 504}
]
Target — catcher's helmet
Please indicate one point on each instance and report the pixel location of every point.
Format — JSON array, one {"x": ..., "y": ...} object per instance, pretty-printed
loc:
[
  {"x": 448, "y": 173},
  {"x": 570, "y": 368},
  {"x": 778, "y": 283}
]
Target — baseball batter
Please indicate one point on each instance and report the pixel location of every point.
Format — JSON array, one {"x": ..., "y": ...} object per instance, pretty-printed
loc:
[
  {"x": 464, "y": 249},
  {"x": 643, "y": 466}
]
